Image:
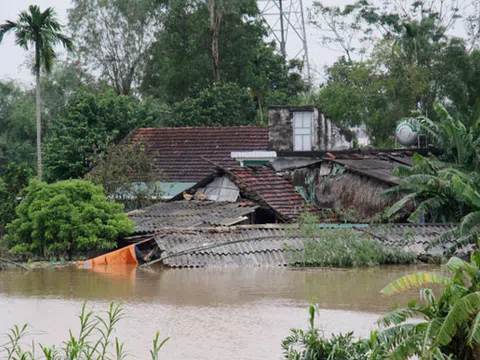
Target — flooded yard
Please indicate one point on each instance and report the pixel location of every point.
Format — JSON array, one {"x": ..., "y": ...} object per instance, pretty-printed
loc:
[{"x": 213, "y": 314}]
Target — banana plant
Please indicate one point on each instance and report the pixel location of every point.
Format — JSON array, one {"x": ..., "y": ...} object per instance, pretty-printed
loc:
[{"x": 447, "y": 328}]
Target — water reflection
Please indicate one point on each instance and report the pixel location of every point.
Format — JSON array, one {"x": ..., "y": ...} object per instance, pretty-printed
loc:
[{"x": 356, "y": 289}]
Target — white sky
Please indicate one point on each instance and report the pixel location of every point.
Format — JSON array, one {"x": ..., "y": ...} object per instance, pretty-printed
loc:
[{"x": 12, "y": 58}]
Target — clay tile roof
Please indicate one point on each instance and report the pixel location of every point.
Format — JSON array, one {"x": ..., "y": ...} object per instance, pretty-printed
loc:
[
  {"x": 269, "y": 189},
  {"x": 177, "y": 152}
]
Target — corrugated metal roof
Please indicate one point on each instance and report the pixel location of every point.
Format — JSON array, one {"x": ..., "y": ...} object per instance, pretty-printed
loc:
[
  {"x": 247, "y": 246},
  {"x": 412, "y": 237},
  {"x": 239, "y": 247},
  {"x": 189, "y": 214}
]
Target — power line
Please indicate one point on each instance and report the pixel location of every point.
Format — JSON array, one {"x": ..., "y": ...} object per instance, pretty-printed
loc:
[{"x": 285, "y": 20}]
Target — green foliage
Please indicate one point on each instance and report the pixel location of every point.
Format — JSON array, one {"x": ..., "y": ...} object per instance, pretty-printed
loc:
[
  {"x": 443, "y": 192},
  {"x": 65, "y": 218},
  {"x": 95, "y": 340},
  {"x": 311, "y": 345},
  {"x": 408, "y": 62},
  {"x": 344, "y": 248},
  {"x": 17, "y": 125},
  {"x": 113, "y": 38},
  {"x": 446, "y": 328},
  {"x": 40, "y": 30},
  {"x": 85, "y": 127},
  {"x": 449, "y": 326},
  {"x": 222, "y": 105},
  {"x": 12, "y": 183},
  {"x": 181, "y": 64}
]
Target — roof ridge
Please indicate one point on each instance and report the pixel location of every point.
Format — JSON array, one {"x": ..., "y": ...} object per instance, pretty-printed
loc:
[{"x": 207, "y": 127}]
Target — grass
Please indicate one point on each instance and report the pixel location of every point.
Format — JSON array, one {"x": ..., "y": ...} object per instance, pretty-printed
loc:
[
  {"x": 95, "y": 341},
  {"x": 348, "y": 248}
]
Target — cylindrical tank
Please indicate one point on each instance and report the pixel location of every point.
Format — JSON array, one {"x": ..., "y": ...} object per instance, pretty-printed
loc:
[{"x": 407, "y": 133}]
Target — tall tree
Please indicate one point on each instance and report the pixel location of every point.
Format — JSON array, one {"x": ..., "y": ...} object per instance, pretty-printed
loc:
[
  {"x": 85, "y": 127},
  {"x": 113, "y": 37},
  {"x": 42, "y": 31}
]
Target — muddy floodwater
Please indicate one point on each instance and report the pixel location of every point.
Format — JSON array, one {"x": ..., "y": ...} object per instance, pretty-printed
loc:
[{"x": 213, "y": 314}]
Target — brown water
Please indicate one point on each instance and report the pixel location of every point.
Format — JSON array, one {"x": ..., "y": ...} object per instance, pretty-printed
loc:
[{"x": 213, "y": 314}]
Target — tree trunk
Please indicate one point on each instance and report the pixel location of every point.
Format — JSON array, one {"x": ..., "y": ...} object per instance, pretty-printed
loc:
[
  {"x": 215, "y": 21},
  {"x": 39, "y": 121}
]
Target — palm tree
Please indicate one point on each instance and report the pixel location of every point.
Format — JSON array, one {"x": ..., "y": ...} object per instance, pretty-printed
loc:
[{"x": 42, "y": 31}]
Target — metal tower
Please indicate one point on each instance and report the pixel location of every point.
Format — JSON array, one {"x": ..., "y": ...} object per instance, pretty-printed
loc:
[{"x": 286, "y": 22}]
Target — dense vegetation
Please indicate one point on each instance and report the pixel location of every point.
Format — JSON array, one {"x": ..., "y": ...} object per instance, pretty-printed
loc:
[
  {"x": 447, "y": 327},
  {"x": 344, "y": 248},
  {"x": 65, "y": 219},
  {"x": 444, "y": 189}
]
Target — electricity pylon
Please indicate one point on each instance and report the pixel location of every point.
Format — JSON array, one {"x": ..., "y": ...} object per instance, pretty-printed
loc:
[{"x": 286, "y": 21}]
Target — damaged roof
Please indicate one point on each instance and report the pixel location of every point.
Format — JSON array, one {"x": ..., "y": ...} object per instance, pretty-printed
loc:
[
  {"x": 177, "y": 152},
  {"x": 413, "y": 237},
  {"x": 189, "y": 214},
  {"x": 265, "y": 186},
  {"x": 261, "y": 185},
  {"x": 274, "y": 245},
  {"x": 378, "y": 169}
]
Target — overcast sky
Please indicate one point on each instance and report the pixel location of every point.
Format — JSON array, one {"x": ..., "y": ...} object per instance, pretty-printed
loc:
[{"x": 12, "y": 58}]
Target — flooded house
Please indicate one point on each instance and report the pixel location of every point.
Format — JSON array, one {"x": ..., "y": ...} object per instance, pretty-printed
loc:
[
  {"x": 237, "y": 192},
  {"x": 301, "y": 144}
]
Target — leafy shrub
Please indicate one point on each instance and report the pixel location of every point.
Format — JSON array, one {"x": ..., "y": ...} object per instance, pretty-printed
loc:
[
  {"x": 94, "y": 341},
  {"x": 311, "y": 345},
  {"x": 65, "y": 218}
]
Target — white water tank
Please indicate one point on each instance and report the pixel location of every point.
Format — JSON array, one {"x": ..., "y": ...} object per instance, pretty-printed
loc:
[{"x": 407, "y": 133}]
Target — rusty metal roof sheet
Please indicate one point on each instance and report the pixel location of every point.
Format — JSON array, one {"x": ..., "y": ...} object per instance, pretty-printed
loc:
[
  {"x": 187, "y": 214},
  {"x": 269, "y": 245}
]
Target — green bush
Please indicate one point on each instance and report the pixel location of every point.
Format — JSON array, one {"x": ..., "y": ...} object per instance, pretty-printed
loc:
[{"x": 67, "y": 218}]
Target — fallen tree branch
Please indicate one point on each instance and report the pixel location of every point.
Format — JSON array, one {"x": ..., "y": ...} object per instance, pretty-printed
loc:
[{"x": 14, "y": 263}]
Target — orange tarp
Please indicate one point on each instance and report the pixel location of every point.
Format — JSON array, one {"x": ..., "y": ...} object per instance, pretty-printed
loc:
[{"x": 122, "y": 256}]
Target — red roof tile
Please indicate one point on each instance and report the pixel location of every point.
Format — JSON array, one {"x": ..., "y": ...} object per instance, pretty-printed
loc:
[
  {"x": 266, "y": 186},
  {"x": 177, "y": 152}
]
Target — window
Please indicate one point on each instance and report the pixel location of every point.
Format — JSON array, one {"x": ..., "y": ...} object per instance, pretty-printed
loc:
[{"x": 302, "y": 130}]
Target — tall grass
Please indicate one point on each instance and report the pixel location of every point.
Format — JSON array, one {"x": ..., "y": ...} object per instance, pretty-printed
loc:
[
  {"x": 348, "y": 248},
  {"x": 95, "y": 341},
  {"x": 344, "y": 248}
]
